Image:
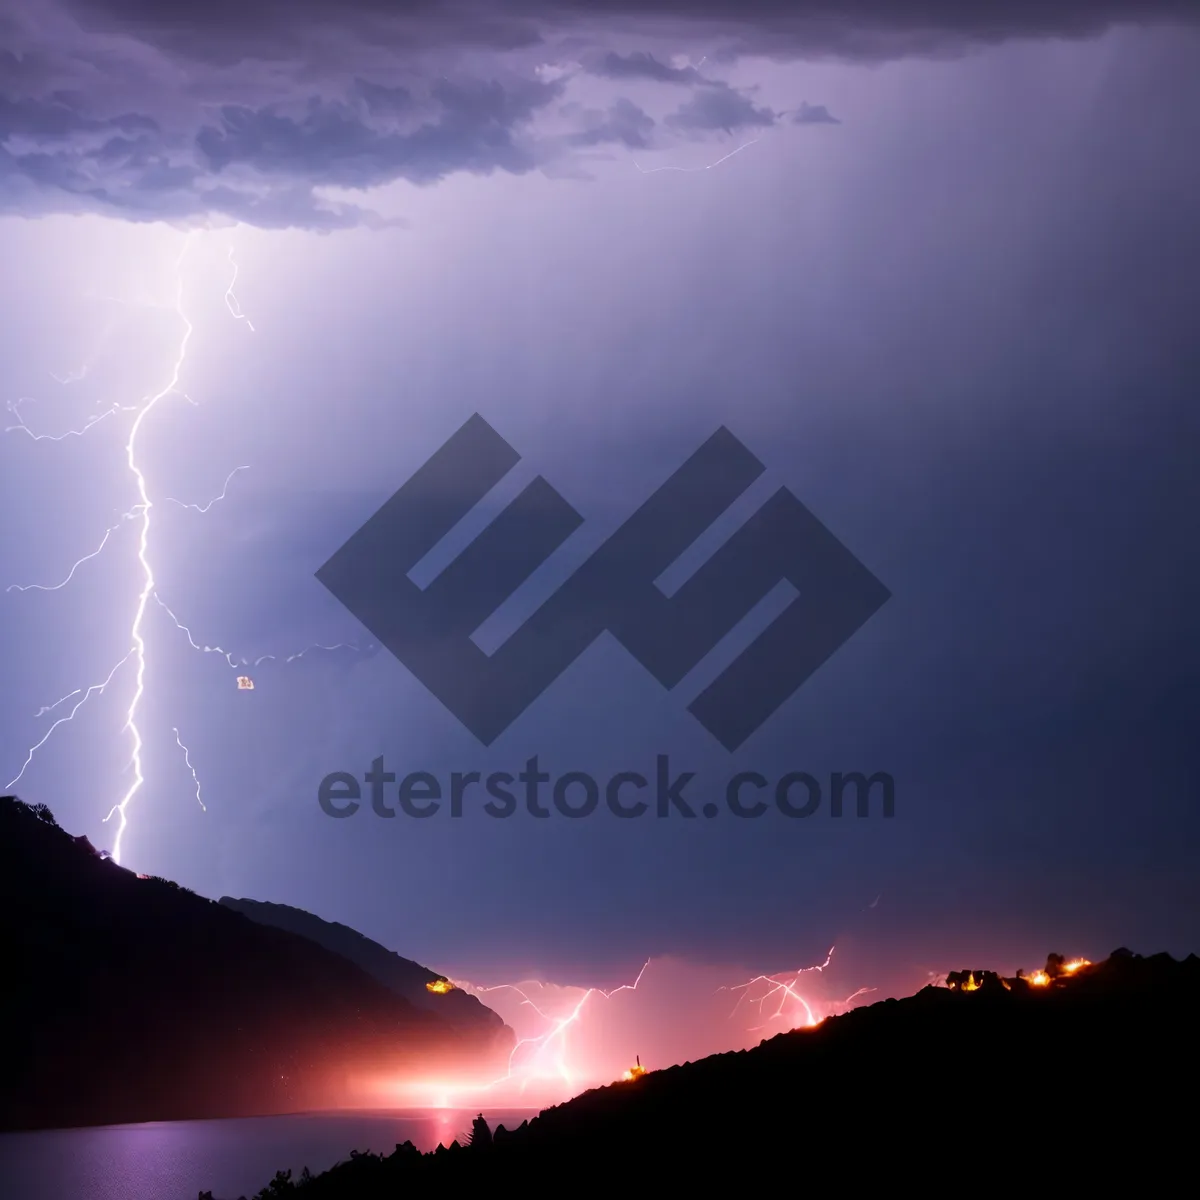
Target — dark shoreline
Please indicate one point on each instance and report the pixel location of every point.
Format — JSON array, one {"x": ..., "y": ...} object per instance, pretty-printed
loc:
[
  {"x": 129, "y": 1000},
  {"x": 1018, "y": 1085}
]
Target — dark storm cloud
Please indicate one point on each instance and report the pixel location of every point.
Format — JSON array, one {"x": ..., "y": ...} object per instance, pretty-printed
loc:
[
  {"x": 645, "y": 66},
  {"x": 867, "y": 29},
  {"x": 57, "y": 117},
  {"x": 381, "y": 101},
  {"x": 721, "y": 108},
  {"x": 815, "y": 114},
  {"x": 260, "y": 164},
  {"x": 472, "y": 132},
  {"x": 190, "y": 110},
  {"x": 624, "y": 123}
]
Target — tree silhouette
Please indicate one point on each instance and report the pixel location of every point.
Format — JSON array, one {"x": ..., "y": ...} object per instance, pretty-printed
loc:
[
  {"x": 281, "y": 1185},
  {"x": 481, "y": 1135}
]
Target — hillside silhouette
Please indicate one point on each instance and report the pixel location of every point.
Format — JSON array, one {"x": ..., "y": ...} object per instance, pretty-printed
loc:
[
  {"x": 132, "y": 999},
  {"x": 992, "y": 1084},
  {"x": 407, "y": 979}
]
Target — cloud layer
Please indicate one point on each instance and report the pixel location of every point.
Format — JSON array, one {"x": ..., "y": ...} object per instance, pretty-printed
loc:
[{"x": 192, "y": 111}]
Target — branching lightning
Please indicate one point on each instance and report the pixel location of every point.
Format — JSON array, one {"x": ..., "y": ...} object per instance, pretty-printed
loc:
[
  {"x": 789, "y": 1001},
  {"x": 528, "y": 1059},
  {"x": 14, "y": 407},
  {"x": 141, "y": 514},
  {"x": 706, "y": 167},
  {"x": 54, "y": 587},
  {"x": 533, "y": 1060},
  {"x": 232, "y": 659},
  {"x": 203, "y": 508},
  {"x": 551, "y": 1057},
  {"x": 187, "y": 759},
  {"x": 72, "y": 376},
  {"x": 553, "y": 1041},
  {"x": 87, "y": 695},
  {"x": 231, "y": 301}
]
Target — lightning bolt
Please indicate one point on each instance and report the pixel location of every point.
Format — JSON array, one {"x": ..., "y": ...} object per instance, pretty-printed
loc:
[
  {"x": 96, "y": 688},
  {"x": 73, "y": 376},
  {"x": 146, "y": 507},
  {"x": 778, "y": 1001},
  {"x": 554, "y": 1039},
  {"x": 54, "y": 587},
  {"x": 527, "y": 1061},
  {"x": 203, "y": 508},
  {"x": 790, "y": 1002},
  {"x": 231, "y": 301},
  {"x": 187, "y": 759},
  {"x": 14, "y": 407},
  {"x": 706, "y": 167},
  {"x": 141, "y": 514},
  {"x": 232, "y": 659}
]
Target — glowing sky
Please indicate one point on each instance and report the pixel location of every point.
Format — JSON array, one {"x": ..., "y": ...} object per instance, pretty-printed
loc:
[{"x": 945, "y": 288}]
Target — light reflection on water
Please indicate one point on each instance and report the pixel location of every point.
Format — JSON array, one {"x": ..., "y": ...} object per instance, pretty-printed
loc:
[{"x": 177, "y": 1160}]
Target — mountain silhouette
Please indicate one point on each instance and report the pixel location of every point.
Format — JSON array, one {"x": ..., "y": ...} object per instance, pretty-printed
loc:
[
  {"x": 131, "y": 999},
  {"x": 1022, "y": 1084},
  {"x": 407, "y": 979}
]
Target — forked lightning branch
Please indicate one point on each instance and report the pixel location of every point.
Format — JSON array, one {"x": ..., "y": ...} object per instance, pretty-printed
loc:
[{"x": 133, "y": 671}]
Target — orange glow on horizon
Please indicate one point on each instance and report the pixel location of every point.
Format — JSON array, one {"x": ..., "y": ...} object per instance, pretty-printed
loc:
[
  {"x": 570, "y": 1039},
  {"x": 1054, "y": 970}
]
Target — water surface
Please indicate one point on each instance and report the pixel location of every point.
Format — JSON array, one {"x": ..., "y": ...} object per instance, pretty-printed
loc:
[{"x": 176, "y": 1160}]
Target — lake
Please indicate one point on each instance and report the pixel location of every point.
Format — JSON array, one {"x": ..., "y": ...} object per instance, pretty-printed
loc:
[{"x": 176, "y": 1160}]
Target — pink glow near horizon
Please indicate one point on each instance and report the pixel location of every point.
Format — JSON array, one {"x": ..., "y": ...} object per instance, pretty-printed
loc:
[{"x": 570, "y": 1039}]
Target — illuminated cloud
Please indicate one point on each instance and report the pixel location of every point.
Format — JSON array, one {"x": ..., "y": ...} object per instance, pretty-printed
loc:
[{"x": 202, "y": 111}]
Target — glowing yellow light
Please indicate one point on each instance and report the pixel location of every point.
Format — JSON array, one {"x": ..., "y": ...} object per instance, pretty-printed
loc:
[
  {"x": 971, "y": 985},
  {"x": 1039, "y": 979},
  {"x": 439, "y": 987},
  {"x": 635, "y": 1072},
  {"x": 1072, "y": 967}
]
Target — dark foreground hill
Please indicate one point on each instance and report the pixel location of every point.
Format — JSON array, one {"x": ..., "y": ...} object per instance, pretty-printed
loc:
[
  {"x": 131, "y": 999},
  {"x": 989, "y": 1086},
  {"x": 418, "y": 985}
]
